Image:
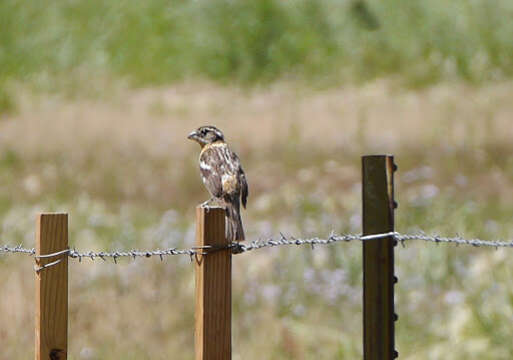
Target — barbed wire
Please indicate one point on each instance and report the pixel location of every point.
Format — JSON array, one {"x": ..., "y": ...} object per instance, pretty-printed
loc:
[
  {"x": 72, "y": 253},
  {"x": 17, "y": 249},
  {"x": 238, "y": 248},
  {"x": 458, "y": 240},
  {"x": 284, "y": 240},
  {"x": 132, "y": 254}
]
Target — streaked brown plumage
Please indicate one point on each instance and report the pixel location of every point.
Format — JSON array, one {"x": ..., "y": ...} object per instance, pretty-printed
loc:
[{"x": 223, "y": 176}]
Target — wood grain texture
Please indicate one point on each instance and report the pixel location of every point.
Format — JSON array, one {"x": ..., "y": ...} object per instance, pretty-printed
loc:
[
  {"x": 52, "y": 288},
  {"x": 213, "y": 288},
  {"x": 378, "y": 258}
]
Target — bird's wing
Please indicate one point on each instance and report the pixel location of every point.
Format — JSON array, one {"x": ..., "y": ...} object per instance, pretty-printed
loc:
[
  {"x": 211, "y": 171},
  {"x": 236, "y": 167},
  {"x": 243, "y": 187}
]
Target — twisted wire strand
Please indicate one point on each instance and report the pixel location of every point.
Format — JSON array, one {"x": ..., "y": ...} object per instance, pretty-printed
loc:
[
  {"x": 17, "y": 249},
  {"x": 132, "y": 254},
  {"x": 458, "y": 240},
  {"x": 284, "y": 240}
]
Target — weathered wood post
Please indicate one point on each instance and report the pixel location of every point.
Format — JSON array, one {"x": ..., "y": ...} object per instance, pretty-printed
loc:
[
  {"x": 378, "y": 258},
  {"x": 51, "y": 287},
  {"x": 213, "y": 287}
]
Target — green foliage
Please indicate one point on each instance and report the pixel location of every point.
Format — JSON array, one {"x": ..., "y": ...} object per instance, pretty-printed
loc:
[
  {"x": 6, "y": 101},
  {"x": 158, "y": 41}
]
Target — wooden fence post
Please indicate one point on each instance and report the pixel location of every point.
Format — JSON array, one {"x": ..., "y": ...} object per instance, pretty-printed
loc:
[
  {"x": 51, "y": 287},
  {"x": 213, "y": 288},
  {"x": 378, "y": 258}
]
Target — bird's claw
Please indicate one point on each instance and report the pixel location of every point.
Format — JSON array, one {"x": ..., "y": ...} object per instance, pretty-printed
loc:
[{"x": 206, "y": 204}]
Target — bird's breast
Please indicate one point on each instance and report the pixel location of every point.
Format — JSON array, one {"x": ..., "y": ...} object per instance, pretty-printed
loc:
[{"x": 229, "y": 183}]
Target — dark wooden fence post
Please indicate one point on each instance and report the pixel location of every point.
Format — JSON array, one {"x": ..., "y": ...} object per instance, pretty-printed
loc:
[
  {"x": 213, "y": 287},
  {"x": 51, "y": 287},
  {"x": 378, "y": 258}
]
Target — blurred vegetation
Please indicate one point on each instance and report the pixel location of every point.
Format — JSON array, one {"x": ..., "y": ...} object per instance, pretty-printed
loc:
[
  {"x": 125, "y": 172},
  {"x": 318, "y": 41},
  {"x": 129, "y": 179}
]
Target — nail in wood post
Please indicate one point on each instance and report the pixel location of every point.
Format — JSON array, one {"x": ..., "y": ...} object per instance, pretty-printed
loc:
[
  {"x": 378, "y": 258},
  {"x": 52, "y": 288},
  {"x": 213, "y": 288}
]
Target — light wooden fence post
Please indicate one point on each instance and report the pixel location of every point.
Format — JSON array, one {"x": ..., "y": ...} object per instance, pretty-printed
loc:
[
  {"x": 213, "y": 287},
  {"x": 378, "y": 258},
  {"x": 51, "y": 287}
]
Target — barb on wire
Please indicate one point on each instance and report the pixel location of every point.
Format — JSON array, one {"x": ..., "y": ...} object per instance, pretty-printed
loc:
[{"x": 238, "y": 248}]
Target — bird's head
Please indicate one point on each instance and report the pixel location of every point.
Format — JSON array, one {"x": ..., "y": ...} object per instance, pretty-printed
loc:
[{"x": 206, "y": 135}]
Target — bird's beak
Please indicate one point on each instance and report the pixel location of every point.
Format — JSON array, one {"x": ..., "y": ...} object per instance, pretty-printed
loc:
[{"x": 193, "y": 135}]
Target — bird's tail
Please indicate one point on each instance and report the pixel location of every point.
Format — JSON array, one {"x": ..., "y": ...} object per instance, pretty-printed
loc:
[{"x": 234, "y": 229}]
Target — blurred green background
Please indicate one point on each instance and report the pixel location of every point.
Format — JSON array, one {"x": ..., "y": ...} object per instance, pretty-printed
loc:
[{"x": 96, "y": 101}]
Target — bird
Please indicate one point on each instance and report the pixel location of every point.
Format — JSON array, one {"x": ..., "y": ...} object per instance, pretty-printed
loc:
[{"x": 223, "y": 176}]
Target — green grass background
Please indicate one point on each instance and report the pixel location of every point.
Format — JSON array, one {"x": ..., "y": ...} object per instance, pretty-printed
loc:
[{"x": 156, "y": 41}]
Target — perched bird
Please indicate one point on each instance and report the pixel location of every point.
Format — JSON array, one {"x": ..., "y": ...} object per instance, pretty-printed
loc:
[{"x": 223, "y": 177}]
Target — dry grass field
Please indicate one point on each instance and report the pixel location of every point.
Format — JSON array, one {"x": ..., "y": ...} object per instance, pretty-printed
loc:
[{"x": 122, "y": 167}]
